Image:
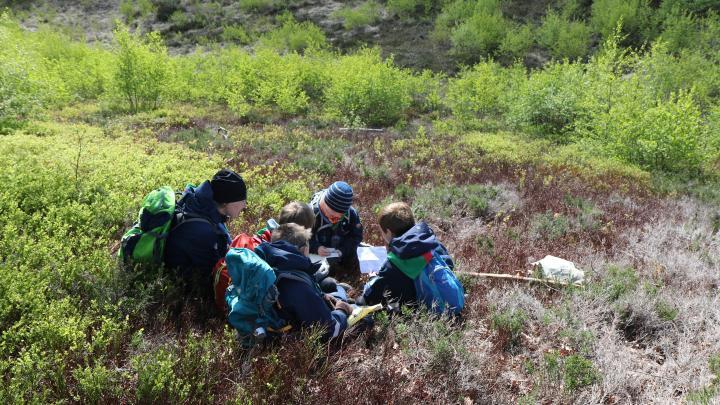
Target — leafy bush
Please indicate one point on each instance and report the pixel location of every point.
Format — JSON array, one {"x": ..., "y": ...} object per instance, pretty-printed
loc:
[
  {"x": 667, "y": 135},
  {"x": 633, "y": 15},
  {"x": 479, "y": 92},
  {"x": 549, "y": 101},
  {"x": 256, "y": 5},
  {"x": 478, "y": 36},
  {"x": 294, "y": 36},
  {"x": 143, "y": 69},
  {"x": 451, "y": 16},
  {"x": 361, "y": 16},
  {"x": 235, "y": 33},
  {"x": 367, "y": 90},
  {"x": 517, "y": 41},
  {"x": 564, "y": 38},
  {"x": 407, "y": 9}
]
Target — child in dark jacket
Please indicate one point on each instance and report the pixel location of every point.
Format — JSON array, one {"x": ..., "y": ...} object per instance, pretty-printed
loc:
[
  {"x": 196, "y": 243},
  {"x": 408, "y": 246},
  {"x": 337, "y": 224},
  {"x": 300, "y": 301}
]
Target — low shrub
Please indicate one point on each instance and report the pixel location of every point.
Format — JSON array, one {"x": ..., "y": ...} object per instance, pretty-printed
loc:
[
  {"x": 549, "y": 102},
  {"x": 142, "y": 71},
  {"x": 361, "y": 16},
  {"x": 365, "y": 90},
  {"x": 479, "y": 92},
  {"x": 295, "y": 36},
  {"x": 564, "y": 38}
]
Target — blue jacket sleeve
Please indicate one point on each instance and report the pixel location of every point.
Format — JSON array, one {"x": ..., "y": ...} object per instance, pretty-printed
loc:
[{"x": 305, "y": 307}]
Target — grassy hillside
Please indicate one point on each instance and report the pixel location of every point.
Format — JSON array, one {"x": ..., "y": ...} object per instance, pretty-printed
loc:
[{"x": 606, "y": 155}]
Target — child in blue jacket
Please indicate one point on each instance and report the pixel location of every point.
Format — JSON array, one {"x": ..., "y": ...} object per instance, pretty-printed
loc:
[
  {"x": 300, "y": 301},
  {"x": 409, "y": 247}
]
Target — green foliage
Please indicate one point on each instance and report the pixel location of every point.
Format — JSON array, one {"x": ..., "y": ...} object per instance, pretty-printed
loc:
[
  {"x": 59, "y": 301},
  {"x": 479, "y": 92},
  {"x": 363, "y": 15},
  {"x": 235, "y": 33},
  {"x": 579, "y": 372},
  {"x": 549, "y": 101},
  {"x": 517, "y": 41},
  {"x": 618, "y": 282},
  {"x": 479, "y": 35},
  {"x": 295, "y": 36},
  {"x": 256, "y": 5},
  {"x": 574, "y": 371},
  {"x": 365, "y": 90},
  {"x": 564, "y": 38},
  {"x": 632, "y": 15},
  {"x": 156, "y": 379},
  {"x": 550, "y": 225},
  {"x": 406, "y": 9},
  {"x": 509, "y": 324},
  {"x": 143, "y": 69},
  {"x": 447, "y": 202}
]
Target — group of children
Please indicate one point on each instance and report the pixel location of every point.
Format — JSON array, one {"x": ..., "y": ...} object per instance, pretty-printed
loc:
[{"x": 329, "y": 226}]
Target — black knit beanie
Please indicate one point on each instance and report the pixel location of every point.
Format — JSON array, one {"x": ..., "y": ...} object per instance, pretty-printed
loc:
[{"x": 228, "y": 187}]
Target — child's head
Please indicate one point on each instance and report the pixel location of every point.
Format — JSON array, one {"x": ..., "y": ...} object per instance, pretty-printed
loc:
[
  {"x": 336, "y": 201},
  {"x": 295, "y": 234},
  {"x": 297, "y": 213},
  {"x": 395, "y": 219}
]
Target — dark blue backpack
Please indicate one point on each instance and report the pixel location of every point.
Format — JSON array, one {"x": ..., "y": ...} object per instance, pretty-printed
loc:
[{"x": 438, "y": 288}]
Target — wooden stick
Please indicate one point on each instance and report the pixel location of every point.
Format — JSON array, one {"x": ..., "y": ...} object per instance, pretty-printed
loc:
[
  {"x": 363, "y": 129},
  {"x": 512, "y": 277}
]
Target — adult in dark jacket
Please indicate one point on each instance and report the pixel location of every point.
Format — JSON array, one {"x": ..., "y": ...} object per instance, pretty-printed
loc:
[
  {"x": 199, "y": 237},
  {"x": 406, "y": 251},
  {"x": 300, "y": 301},
  {"x": 337, "y": 223}
]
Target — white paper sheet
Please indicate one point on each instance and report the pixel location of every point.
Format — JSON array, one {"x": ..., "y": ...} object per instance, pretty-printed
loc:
[{"x": 371, "y": 258}]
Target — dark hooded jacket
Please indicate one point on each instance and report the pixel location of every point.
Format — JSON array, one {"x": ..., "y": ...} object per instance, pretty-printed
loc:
[
  {"x": 345, "y": 235},
  {"x": 395, "y": 281},
  {"x": 300, "y": 303},
  {"x": 193, "y": 247}
]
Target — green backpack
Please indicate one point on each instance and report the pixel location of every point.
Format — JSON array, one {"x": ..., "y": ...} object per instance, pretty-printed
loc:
[{"x": 145, "y": 241}]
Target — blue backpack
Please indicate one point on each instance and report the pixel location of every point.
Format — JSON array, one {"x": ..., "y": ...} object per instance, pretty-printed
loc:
[
  {"x": 252, "y": 295},
  {"x": 438, "y": 288}
]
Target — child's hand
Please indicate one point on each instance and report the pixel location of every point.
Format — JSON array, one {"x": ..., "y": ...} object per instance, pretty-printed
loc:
[
  {"x": 323, "y": 251},
  {"x": 330, "y": 300},
  {"x": 344, "y": 306}
]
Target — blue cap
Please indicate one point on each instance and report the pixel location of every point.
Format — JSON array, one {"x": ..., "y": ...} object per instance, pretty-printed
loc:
[{"x": 339, "y": 196}]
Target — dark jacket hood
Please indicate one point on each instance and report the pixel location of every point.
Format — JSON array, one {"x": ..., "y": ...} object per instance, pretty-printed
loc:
[
  {"x": 199, "y": 201},
  {"x": 417, "y": 241},
  {"x": 411, "y": 251},
  {"x": 284, "y": 256}
]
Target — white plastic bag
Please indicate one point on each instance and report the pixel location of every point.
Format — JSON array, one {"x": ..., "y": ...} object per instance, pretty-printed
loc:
[{"x": 558, "y": 269}]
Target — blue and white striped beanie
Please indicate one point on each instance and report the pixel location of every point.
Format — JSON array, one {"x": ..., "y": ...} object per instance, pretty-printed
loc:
[{"x": 339, "y": 196}]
